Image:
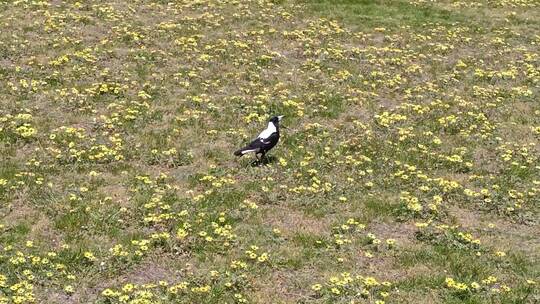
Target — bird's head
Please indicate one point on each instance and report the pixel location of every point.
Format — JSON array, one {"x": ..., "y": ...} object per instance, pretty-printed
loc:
[{"x": 276, "y": 119}]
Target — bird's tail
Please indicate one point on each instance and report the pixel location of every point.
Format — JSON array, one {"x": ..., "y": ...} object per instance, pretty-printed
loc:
[
  {"x": 239, "y": 152},
  {"x": 243, "y": 151}
]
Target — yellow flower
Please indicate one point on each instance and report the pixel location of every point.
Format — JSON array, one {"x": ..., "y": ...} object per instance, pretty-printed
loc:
[
  {"x": 370, "y": 281},
  {"x": 90, "y": 256},
  {"x": 107, "y": 292},
  {"x": 263, "y": 257},
  {"x": 69, "y": 289},
  {"x": 461, "y": 286},
  {"x": 128, "y": 288}
]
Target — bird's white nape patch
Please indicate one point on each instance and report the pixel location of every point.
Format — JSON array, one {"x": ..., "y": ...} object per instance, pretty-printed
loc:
[{"x": 269, "y": 130}]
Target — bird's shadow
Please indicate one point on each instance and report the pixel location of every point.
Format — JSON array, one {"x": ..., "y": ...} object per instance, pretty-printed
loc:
[{"x": 265, "y": 161}]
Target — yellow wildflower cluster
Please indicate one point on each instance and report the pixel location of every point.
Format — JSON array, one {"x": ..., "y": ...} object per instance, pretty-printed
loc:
[{"x": 348, "y": 286}]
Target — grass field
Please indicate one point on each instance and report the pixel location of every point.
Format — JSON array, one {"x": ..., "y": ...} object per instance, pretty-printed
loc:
[{"x": 408, "y": 170}]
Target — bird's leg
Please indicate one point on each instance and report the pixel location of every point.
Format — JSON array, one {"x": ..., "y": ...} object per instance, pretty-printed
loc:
[
  {"x": 263, "y": 157},
  {"x": 255, "y": 162}
]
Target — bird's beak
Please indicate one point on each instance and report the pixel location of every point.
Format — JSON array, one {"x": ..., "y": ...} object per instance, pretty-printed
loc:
[{"x": 280, "y": 117}]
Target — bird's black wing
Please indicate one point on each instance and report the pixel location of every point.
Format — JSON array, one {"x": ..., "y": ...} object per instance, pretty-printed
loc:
[
  {"x": 270, "y": 141},
  {"x": 263, "y": 144},
  {"x": 260, "y": 145},
  {"x": 257, "y": 144}
]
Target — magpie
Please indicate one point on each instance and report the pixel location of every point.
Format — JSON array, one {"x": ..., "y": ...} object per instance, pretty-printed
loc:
[{"x": 265, "y": 141}]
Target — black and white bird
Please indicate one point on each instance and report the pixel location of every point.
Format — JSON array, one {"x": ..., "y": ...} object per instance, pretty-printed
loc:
[{"x": 265, "y": 141}]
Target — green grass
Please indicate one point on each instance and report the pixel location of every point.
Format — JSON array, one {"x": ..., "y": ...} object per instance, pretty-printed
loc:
[{"x": 367, "y": 14}]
